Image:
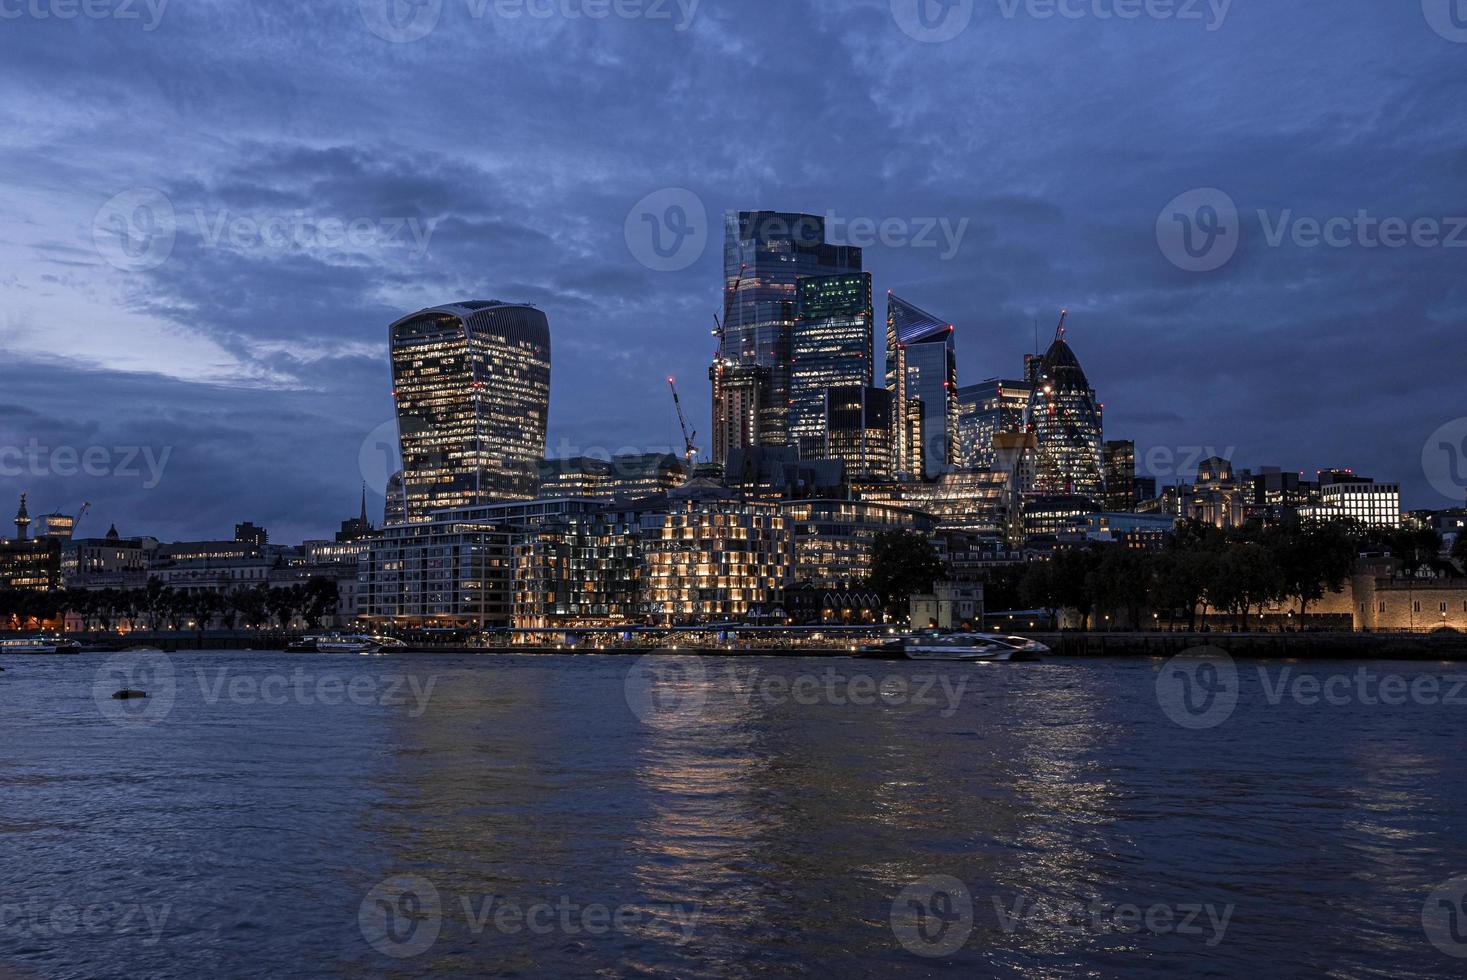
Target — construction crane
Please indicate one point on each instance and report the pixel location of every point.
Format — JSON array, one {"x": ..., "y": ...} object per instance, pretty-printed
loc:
[
  {"x": 80, "y": 513},
  {"x": 718, "y": 326},
  {"x": 690, "y": 450}
]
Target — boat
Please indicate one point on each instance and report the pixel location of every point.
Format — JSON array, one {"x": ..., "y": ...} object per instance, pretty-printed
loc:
[
  {"x": 38, "y": 645},
  {"x": 354, "y": 643},
  {"x": 960, "y": 647}
]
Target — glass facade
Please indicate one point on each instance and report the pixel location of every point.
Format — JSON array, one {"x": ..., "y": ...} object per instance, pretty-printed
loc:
[
  {"x": 832, "y": 347},
  {"x": 985, "y": 410},
  {"x": 766, "y": 254},
  {"x": 859, "y": 429},
  {"x": 922, "y": 368},
  {"x": 1066, "y": 419},
  {"x": 833, "y": 538},
  {"x": 472, "y": 386}
]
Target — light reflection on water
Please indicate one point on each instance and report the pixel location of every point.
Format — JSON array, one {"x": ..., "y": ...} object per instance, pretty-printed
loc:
[{"x": 752, "y": 835}]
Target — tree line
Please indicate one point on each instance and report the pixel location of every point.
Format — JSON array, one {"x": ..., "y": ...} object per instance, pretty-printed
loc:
[
  {"x": 1200, "y": 569},
  {"x": 158, "y": 606}
]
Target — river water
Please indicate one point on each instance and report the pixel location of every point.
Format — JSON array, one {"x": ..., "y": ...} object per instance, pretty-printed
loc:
[{"x": 279, "y": 815}]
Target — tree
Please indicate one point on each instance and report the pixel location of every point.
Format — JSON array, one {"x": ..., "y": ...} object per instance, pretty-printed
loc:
[
  {"x": 283, "y": 604},
  {"x": 1121, "y": 583},
  {"x": 1037, "y": 588},
  {"x": 1459, "y": 549},
  {"x": 203, "y": 606},
  {"x": 903, "y": 564},
  {"x": 1245, "y": 576},
  {"x": 320, "y": 598},
  {"x": 250, "y": 604},
  {"x": 1179, "y": 582},
  {"x": 1072, "y": 581}
]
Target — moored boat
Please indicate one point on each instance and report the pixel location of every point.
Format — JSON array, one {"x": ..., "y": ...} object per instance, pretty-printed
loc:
[
  {"x": 34, "y": 645},
  {"x": 960, "y": 647}
]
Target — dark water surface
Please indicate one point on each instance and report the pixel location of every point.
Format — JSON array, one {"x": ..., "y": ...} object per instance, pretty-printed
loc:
[{"x": 566, "y": 816}]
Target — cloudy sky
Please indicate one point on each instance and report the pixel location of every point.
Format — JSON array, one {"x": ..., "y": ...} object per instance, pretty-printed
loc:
[{"x": 211, "y": 211}]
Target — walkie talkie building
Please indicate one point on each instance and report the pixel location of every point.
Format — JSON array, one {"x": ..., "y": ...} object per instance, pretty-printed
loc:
[{"x": 472, "y": 386}]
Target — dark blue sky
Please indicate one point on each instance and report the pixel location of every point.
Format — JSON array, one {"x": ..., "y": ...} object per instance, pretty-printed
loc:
[{"x": 509, "y": 154}]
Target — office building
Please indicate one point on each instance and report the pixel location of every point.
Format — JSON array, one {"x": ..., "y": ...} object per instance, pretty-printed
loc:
[
  {"x": 833, "y": 539},
  {"x": 472, "y": 386},
  {"x": 831, "y": 347},
  {"x": 858, "y": 430},
  {"x": 921, "y": 370},
  {"x": 766, "y": 254},
  {"x": 1119, "y": 457},
  {"x": 984, "y": 410},
  {"x": 630, "y": 476},
  {"x": 1066, "y": 419}
]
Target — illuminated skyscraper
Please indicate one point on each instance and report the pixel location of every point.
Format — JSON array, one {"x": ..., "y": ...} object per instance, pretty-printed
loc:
[
  {"x": 831, "y": 348},
  {"x": 922, "y": 368},
  {"x": 1066, "y": 419},
  {"x": 472, "y": 385},
  {"x": 1120, "y": 475},
  {"x": 766, "y": 253},
  {"x": 858, "y": 430},
  {"x": 985, "y": 410}
]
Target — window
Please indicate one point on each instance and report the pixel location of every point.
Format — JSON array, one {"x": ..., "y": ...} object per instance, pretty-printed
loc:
[{"x": 1416, "y": 606}]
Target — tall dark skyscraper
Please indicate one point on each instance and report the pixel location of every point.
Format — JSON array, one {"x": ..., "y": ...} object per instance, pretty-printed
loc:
[
  {"x": 472, "y": 386},
  {"x": 922, "y": 376},
  {"x": 766, "y": 253},
  {"x": 831, "y": 347},
  {"x": 1120, "y": 475},
  {"x": 1066, "y": 419}
]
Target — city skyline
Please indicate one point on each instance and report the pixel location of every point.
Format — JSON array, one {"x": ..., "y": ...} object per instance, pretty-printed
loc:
[{"x": 261, "y": 367}]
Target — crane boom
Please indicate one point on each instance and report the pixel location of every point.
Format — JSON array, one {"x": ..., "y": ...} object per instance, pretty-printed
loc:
[{"x": 690, "y": 451}]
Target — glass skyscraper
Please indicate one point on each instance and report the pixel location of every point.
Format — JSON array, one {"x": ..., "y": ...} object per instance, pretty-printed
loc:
[
  {"x": 472, "y": 387},
  {"x": 922, "y": 376},
  {"x": 984, "y": 410},
  {"x": 1066, "y": 419},
  {"x": 831, "y": 347},
  {"x": 766, "y": 253}
]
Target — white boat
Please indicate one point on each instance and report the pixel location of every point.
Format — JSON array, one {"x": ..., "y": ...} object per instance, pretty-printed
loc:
[
  {"x": 963, "y": 647},
  {"x": 354, "y": 643},
  {"x": 1022, "y": 643},
  {"x": 38, "y": 645}
]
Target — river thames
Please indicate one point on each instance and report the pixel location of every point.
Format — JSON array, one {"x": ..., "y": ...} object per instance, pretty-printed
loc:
[{"x": 286, "y": 815}]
